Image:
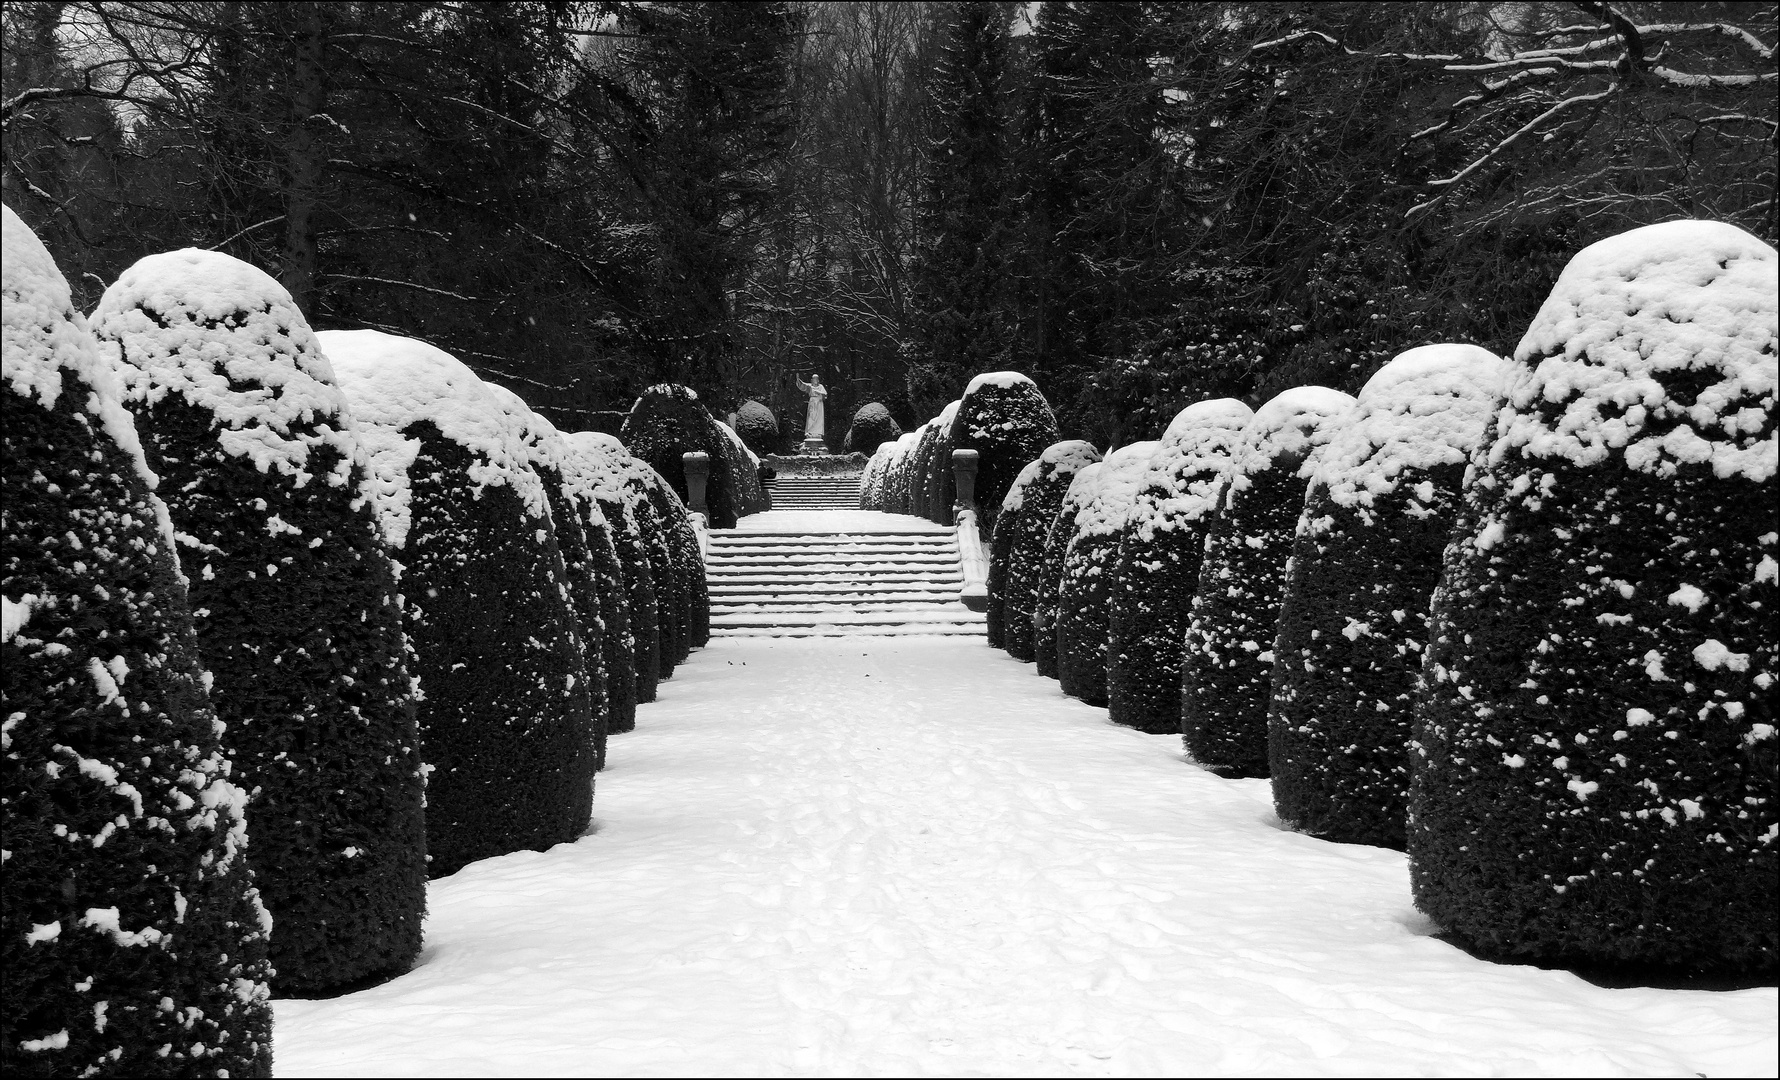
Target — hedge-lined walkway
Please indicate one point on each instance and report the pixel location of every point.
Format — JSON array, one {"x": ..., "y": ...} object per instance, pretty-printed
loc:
[{"x": 899, "y": 857}]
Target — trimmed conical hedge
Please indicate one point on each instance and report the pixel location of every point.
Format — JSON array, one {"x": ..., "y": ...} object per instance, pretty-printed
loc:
[
  {"x": 872, "y": 427},
  {"x": 1594, "y": 764},
  {"x": 1084, "y": 596},
  {"x": 744, "y": 470},
  {"x": 585, "y": 480},
  {"x": 1025, "y": 523},
  {"x": 667, "y": 422},
  {"x": 1227, "y": 660},
  {"x": 939, "y": 489},
  {"x": 1004, "y": 418},
  {"x": 507, "y": 723},
  {"x": 1156, "y": 572},
  {"x": 757, "y": 427},
  {"x": 624, "y": 506},
  {"x": 132, "y": 938},
  {"x": 1047, "y": 595},
  {"x": 1354, "y": 616},
  {"x": 295, "y": 606}
]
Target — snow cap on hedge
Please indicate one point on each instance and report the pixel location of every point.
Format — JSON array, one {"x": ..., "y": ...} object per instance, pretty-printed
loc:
[
  {"x": 201, "y": 324},
  {"x": 43, "y": 335},
  {"x": 1294, "y": 422},
  {"x": 1192, "y": 458},
  {"x": 1119, "y": 481},
  {"x": 1628, "y": 314},
  {"x": 1069, "y": 456},
  {"x": 1426, "y": 408},
  {"x": 393, "y": 382}
]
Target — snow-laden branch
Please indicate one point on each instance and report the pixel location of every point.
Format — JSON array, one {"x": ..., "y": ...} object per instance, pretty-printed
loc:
[{"x": 1502, "y": 146}]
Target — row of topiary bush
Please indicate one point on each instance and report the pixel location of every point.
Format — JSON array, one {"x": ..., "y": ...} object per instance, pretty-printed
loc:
[
  {"x": 287, "y": 615},
  {"x": 1513, "y": 617},
  {"x": 1002, "y": 416}
]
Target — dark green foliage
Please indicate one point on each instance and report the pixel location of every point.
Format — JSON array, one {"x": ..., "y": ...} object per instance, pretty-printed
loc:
[
  {"x": 685, "y": 593},
  {"x": 1084, "y": 597},
  {"x": 1227, "y": 662},
  {"x": 667, "y": 422},
  {"x": 938, "y": 488},
  {"x": 1008, "y": 423},
  {"x": 1354, "y": 616},
  {"x": 757, "y": 428},
  {"x": 1001, "y": 545},
  {"x": 750, "y": 497},
  {"x": 1025, "y": 524},
  {"x": 82, "y": 552},
  {"x": 1156, "y": 572},
  {"x": 872, "y": 427},
  {"x": 507, "y": 724},
  {"x": 618, "y": 646},
  {"x": 1593, "y": 765},
  {"x": 632, "y": 547},
  {"x": 297, "y": 619},
  {"x": 1046, "y": 597}
]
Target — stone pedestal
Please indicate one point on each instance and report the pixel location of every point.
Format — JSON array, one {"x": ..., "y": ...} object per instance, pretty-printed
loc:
[{"x": 814, "y": 444}]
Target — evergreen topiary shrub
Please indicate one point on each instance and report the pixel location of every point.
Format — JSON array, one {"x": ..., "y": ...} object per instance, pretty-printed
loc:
[
  {"x": 606, "y": 469},
  {"x": 872, "y": 427},
  {"x": 1025, "y": 522},
  {"x": 294, "y": 604},
  {"x": 1004, "y": 418},
  {"x": 1227, "y": 657},
  {"x": 1084, "y": 594},
  {"x": 1047, "y": 595},
  {"x": 134, "y": 942},
  {"x": 1156, "y": 571},
  {"x": 871, "y": 480},
  {"x": 939, "y": 488},
  {"x": 757, "y": 427},
  {"x": 920, "y": 467},
  {"x": 744, "y": 468},
  {"x": 1594, "y": 768},
  {"x": 897, "y": 497},
  {"x": 507, "y": 722},
  {"x": 1354, "y": 615},
  {"x": 666, "y": 423},
  {"x": 686, "y": 569},
  {"x": 550, "y": 458}
]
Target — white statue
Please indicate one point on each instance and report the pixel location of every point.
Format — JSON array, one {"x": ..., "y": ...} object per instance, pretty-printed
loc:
[{"x": 814, "y": 425}]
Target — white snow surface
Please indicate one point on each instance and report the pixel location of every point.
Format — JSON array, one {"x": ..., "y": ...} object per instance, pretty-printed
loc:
[
  {"x": 392, "y": 382},
  {"x": 1625, "y": 314},
  {"x": 1428, "y": 407},
  {"x": 913, "y": 857},
  {"x": 1116, "y": 490},
  {"x": 814, "y": 522},
  {"x": 549, "y": 449},
  {"x": 1189, "y": 465},
  {"x": 1067, "y": 456},
  {"x": 1295, "y": 421},
  {"x": 224, "y": 335},
  {"x": 1004, "y": 379}
]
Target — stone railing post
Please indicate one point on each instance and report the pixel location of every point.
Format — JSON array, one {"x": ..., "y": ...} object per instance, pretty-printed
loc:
[
  {"x": 973, "y": 560},
  {"x": 698, "y": 472}
]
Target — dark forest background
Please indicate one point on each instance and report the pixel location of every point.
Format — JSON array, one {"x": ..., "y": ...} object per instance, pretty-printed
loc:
[{"x": 1137, "y": 204}]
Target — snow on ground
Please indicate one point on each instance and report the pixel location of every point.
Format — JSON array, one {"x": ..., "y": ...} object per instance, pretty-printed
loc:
[
  {"x": 916, "y": 857},
  {"x": 836, "y": 521}
]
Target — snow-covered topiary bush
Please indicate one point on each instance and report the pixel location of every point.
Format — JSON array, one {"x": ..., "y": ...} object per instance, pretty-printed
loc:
[
  {"x": 685, "y": 576},
  {"x": 294, "y": 603},
  {"x": 1047, "y": 594},
  {"x": 919, "y": 467},
  {"x": 1594, "y": 768},
  {"x": 571, "y": 514},
  {"x": 1354, "y": 615},
  {"x": 757, "y": 427},
  {"x": 1019, "y": 538},
  {"x": 893, "y": 489},
  {"x": 607, "y": 469},
  {"x": 666, "y": 423},
  {"x": 1084, "y": 592},
  {"x": 1004, "y": 418},
  {"x": 744, "y": 468},
  {"x": 1227, "y": 659},
  {"x": 507, "y": 721},
  {"x": 872, "y": 427},
  {"x": 1156, "y": 571},
  {"x": 132, "y": 938},
  {"x": 939, "y": 489},
  {"x": 871, "y": 478}
]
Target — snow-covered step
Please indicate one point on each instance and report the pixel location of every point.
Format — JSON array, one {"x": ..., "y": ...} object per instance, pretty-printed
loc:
[
  {"x": 804, "y": 573},
  {"x": 815, "y": 493}
]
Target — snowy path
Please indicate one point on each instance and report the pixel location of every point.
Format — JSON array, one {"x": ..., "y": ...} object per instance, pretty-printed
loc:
[{"x": 914, "y": 856}]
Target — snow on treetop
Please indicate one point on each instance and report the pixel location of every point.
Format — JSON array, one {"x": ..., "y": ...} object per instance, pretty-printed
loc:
[
  {"x": 43, "y": 335},
  {"x": 947, "y": 415},
  {"x": 1427, "y": 407},
  {"x": 1004, "y": 379},
  {"x": 617, "y": 473},
  {"x": 1066, "y": 457},
  {"x": 225, "y": 336},
  {"x": 1195, "y": 452},
  {"x": 394, "y": 382},
  {"x": 1116, "y": 491},
  {"x": 1296, "y": 421},
  {"x": 872, "y": 410},
  {"x": 1670, "y": 328},
  {"x": 548, "y": 447},
  {"x": 736, "y": 440}
]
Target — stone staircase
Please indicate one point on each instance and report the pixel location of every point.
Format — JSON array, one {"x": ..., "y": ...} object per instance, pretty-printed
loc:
[
  {"x": 815, "y": 492},
  {"x": 864, "y": 575}
]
